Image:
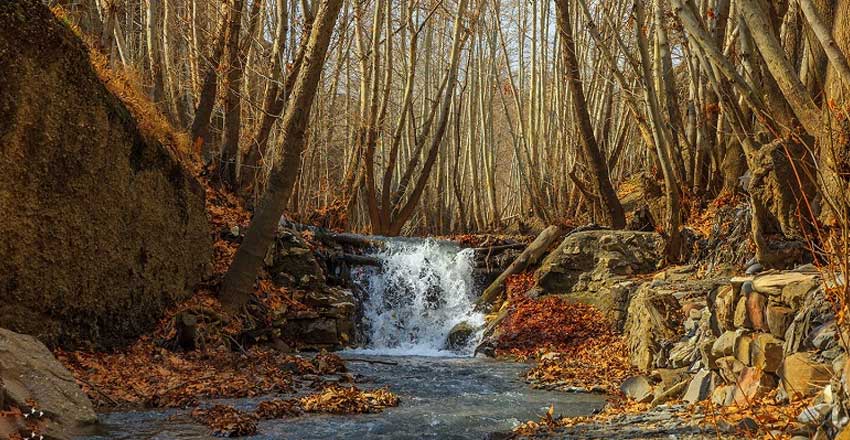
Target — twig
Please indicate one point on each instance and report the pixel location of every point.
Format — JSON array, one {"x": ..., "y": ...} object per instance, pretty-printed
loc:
[
  {"x": 370, "y": 361},
  {"x": 98, "y": 391}
]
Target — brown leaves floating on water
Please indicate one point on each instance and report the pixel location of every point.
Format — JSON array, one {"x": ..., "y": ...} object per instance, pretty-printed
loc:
[
  {"x": 226, "y": 421},
  {"x": 277, "y": 409},
  {"x": 344, "y": 400}
]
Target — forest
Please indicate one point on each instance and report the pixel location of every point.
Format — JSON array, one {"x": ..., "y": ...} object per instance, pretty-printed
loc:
[{"x": 424, "y": 219}]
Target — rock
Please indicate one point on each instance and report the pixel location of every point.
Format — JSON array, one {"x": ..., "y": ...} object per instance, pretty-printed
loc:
[
  {"x": 318, "y": 332},
  {"x": 802, "y": 376},
  {"x": 701, "y": 386},
  {"x": 29, "y": 372},
  {"x": 742, "y": 317},
  {"x": 725, "y": 308},
  {"x": 592, "y": 267},
  {"x": 824, "y": 336},
  {"x": 637, "y": 388},
  {"x": 756, "y": 305},
  {"x": 754, "y": 269},
  {"x": 669, "y": 394},
  {"x": 460, "y": 336},
  {"x": 766, "y": 352},
  {"x": 794, "y": 294},
  {"x": 291, "y": 261},
  {"x": 742, "y": 349},
  {"x": 752, "y": 383},
  {"x": 778, "y": 319},
  {"x": 652, "y": 320},
  {"x": 775, "y": 284},
  {"x": 709, "y": 360},
  {"x": 666, "y": 378},
  {"x": 103, "y": 229},
  {"x": 724, "y": 345},
  {"x": 723, "y": 395},
  {"x": 684, "y": 353},
  {"x": 730, "y": 368},
  {"x": 814, "y": 414}
]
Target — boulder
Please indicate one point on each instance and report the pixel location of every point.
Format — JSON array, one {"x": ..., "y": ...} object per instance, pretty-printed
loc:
[
  {"x": 637, "y": 388},
  {"x": 776, "y": 284},
  {"x": 30, "y": 373},
  {"x": 766, "y": 352},
  {"x": 103, "y": 228},
  {"x": 802, "y": 376},
  {"x": 652, "y": 321},
  {"x": 778, "y": 319},
  {"x": 701, "y": 386},
  {"x": 593, "y": 267},
  {"x": 460, "y": 336}
]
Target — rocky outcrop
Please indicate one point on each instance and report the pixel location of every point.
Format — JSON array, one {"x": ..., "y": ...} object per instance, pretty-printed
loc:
[
  {"x": 30, "y": 377},
  {"x": 596, "y": 268},
  {"x": 102, "y": 227},
  {"x": 754, "y": 335},
  {"x": 653, "y": 321}
]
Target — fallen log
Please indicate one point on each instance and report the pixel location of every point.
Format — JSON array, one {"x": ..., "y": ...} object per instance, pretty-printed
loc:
[
  {"x": 499, "y": 248},
  {"x": 530, "y": 256},
  {"x": 356, "y": 260},
  {"x": 334, "y": 238}
]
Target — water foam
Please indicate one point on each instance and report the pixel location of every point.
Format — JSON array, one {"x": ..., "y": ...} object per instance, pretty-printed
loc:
[{"x": 423, "y": 289}]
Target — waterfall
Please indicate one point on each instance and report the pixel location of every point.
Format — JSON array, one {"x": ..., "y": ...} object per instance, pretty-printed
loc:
[{"x": 423, "y": 290}]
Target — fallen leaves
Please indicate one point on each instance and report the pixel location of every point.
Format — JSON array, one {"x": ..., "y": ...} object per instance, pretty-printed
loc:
[
  {"x": 226, "y": 421},
  {"x": 549, "y": 323},
  {"x": 155, "y": 377},
  {"x": 349, "y": 400},
  {"x": 278, "y": 409},
  {"x": 597, "y": 364}
]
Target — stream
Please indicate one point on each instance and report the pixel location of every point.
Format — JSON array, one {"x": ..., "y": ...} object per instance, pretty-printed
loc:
[{"x": 424, "y": 289}]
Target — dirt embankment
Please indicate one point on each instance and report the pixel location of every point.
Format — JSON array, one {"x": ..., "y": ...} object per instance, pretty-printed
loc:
[{"x": 102, "y": 227}]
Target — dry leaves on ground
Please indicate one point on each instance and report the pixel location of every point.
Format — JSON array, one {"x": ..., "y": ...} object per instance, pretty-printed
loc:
[
  {"x": 226, "y": 421},
  {"x": 152, "y": 376},
  {"x": 349, "y": 400}
]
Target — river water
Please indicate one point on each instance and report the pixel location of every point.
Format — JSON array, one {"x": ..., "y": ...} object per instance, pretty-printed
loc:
[
  {"x": 440, "y": 398},
  {"x": 424, "y": 289}
]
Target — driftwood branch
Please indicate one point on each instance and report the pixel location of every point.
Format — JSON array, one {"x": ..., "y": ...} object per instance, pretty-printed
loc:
[
  {"x": 530, "y": 256},
  {"x": 370, "y": 361}
]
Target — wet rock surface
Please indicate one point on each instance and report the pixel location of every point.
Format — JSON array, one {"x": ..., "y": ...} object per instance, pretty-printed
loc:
[{"x": 30, "y": 374}]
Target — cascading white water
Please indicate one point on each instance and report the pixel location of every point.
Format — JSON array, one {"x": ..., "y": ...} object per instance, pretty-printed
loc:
[{"x": 423, "y": 289}]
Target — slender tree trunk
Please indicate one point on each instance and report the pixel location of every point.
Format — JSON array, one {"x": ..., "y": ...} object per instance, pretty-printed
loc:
[
  {"x": 239, "y": 280},
  {"x": 595, "y": 161}
]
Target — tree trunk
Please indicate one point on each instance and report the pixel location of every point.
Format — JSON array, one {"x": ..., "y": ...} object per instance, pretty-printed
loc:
[
  {"x": 595, "y": 161},
  {"x": 239, "y": 280}
]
